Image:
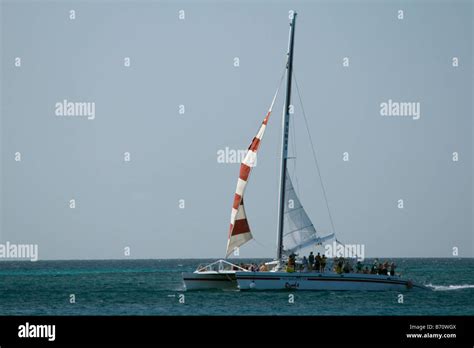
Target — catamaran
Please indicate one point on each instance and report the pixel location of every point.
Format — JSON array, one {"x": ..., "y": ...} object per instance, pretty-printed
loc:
[{"x": 295, "y": 229}]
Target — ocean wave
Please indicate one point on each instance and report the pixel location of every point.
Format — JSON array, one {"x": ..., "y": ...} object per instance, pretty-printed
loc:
[{"x": 450, "y": 287}]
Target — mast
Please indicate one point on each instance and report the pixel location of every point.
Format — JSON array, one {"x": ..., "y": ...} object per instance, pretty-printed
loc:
[{"x": 284, "y": 141}]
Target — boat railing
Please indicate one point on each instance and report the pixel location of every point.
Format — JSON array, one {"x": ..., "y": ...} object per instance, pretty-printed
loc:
[{"x": 218, "y": 266}]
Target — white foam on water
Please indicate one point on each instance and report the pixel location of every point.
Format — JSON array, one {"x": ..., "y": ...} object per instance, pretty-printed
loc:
[{"x": 450, "y": 287}]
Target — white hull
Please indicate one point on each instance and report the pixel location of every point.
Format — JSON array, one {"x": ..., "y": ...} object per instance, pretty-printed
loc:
[
  {"x": 320, "y": 281},
  {"x": 209, "y": 280},
  {"x": 219, "y": 274}
]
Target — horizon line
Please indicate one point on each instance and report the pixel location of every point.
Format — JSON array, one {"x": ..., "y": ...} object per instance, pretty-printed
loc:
[{"x": 242, "y": 258}]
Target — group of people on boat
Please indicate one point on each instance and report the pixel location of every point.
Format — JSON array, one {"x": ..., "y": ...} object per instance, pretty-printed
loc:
[
  {"x": 253, "y": 267},
  {"x": 311, "y": 263},
  {"x": 342, "y": 265},
  {"x": 384, "y": 268},
  {"x": 317, "y": 263}
]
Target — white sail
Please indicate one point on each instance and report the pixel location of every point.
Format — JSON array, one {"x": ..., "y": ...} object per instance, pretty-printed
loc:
[{"x": 298, "y": 229}]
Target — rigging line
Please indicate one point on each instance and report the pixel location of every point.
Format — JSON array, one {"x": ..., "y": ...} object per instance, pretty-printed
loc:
[
  {"x": 278, "y": 89},
  {"x": 314, "y": 155},
  {"x": 293, "y": 143},
  {"x": 262, "y": 245}
]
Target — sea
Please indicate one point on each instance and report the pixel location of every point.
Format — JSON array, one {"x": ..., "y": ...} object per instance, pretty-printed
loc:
[{"x": 154, "y": 287}]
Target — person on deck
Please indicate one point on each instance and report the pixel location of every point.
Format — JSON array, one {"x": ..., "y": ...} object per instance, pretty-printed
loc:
[
  {"x": 291, "y": 261},
  {"x": 346, "y": 266},
  {"x": 317, "y": 263},
  {"x": 323, "y": 263},
  {"x": 305, "y": 264},
  {"x": 340, "y": 265},
  {"x": 311, "y": 261},
  {"x": 338, "y": 268},
  {"x": 385, "y": 268},
  {"x": 335, "y": 262},
  {"x": 392, "y": 268},
  {"x": 359, "y": 267},
  {"x": 375, "y": 267}
]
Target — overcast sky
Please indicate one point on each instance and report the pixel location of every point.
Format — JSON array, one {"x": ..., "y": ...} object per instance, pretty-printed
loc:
[{"x": 191, "y": 62}]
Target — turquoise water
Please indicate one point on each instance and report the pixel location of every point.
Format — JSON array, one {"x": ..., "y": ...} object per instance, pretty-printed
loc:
[{"x": 153, "y": 287}]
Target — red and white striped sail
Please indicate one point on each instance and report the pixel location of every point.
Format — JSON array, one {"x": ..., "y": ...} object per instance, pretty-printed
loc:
[{"x": 239, "y": 232}]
